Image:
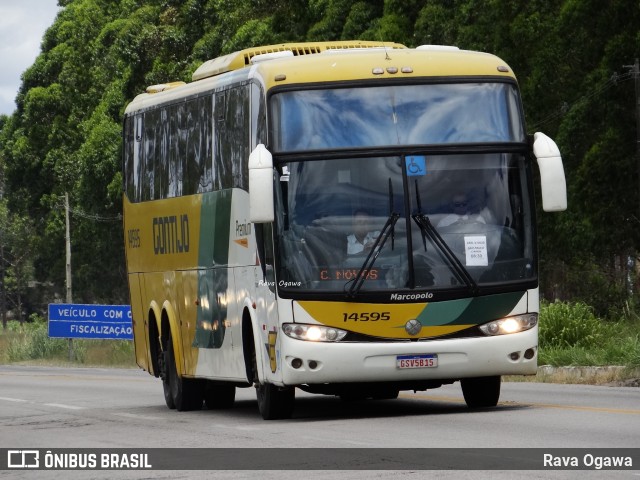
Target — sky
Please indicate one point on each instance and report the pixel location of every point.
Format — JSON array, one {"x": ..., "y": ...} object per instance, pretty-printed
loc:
[{"x": 22, "y": 26}]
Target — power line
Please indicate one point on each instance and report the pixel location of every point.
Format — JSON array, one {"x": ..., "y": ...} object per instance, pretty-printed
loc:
[
  {"x": 614, "y": 80},
  {"x": 634, "y": 71},
  {"x": 94, "y": 217}
]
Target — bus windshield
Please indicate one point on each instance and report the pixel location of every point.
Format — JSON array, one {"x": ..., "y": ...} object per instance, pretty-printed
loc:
[
  {"x": 425, "y": 222},
  {"x": 396, "y": 115},
  {"x": 452, "y": 221}
]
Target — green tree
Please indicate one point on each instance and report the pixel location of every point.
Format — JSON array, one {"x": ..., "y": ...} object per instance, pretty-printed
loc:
[
  {"x": 16, "y": 266},
  {"x": 65, "y": 133}
]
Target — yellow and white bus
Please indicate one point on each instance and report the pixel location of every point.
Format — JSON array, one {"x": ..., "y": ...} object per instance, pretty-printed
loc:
[{"x": 346, "y": 218}]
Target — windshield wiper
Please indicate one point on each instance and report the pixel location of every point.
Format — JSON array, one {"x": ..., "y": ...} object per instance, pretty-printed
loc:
[
  {"x": 387, "y": 230},
  {"x": 430, "y": 232},
  {"x": 384, "y": 234}
]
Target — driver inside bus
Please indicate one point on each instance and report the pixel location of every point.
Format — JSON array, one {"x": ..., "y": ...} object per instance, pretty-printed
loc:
[
  {"x": 362, "y": 238},
  {"x": 461, "y": 212}
]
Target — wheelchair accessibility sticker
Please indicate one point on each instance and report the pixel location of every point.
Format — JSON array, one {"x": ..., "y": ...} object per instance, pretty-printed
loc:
[{"x": 416, "y": 165}]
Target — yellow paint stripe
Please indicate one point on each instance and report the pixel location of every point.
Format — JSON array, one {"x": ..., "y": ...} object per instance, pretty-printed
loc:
[
  {"x": 621, "y": 411},
  {"x": 586, "y": 409},
  {"x": 411, "y": 396}
]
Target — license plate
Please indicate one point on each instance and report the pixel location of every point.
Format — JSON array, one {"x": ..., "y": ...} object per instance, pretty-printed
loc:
[{"x": 417, "y": 361}]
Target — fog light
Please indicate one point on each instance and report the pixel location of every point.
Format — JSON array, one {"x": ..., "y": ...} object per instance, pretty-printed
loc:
[
  {"x": 313, "y": 364},
  {"x": 514, "y": 356},
  {"x": 296, "y": 363},
  {"x": 529, "y": 353}
]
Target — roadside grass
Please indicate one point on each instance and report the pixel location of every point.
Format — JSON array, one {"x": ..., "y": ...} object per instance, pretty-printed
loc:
[
  {"x": 575, "y": 346},
  {"x": 570, "y": 336},
  {"x": 29, "y": 343}
]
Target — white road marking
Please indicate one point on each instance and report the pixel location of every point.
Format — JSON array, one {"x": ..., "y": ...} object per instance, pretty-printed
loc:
[
  {"x": 17, "y": 400},
  {"x": 133, "y": 415},
  {"x": 61, "y": 405}
]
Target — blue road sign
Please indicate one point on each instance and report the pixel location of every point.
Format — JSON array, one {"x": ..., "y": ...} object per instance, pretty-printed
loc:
[{"x": 107, "y": 322}]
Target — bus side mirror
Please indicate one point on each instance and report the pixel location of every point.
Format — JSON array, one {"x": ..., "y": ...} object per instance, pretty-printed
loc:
[
  {"x": 261, "y": 185},
  {"x": 554, "y": 187}
]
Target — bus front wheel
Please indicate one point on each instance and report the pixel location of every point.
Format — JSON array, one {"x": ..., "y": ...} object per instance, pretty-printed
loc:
[
  {"x": 275, "y": 402},
  {"x": 481, "y": 392}
]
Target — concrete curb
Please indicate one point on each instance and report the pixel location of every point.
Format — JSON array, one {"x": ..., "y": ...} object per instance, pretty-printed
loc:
[{"x": 610, "y": 375}]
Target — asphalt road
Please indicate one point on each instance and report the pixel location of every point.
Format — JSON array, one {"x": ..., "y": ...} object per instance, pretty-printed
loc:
[{"x": 54, "y": 408}]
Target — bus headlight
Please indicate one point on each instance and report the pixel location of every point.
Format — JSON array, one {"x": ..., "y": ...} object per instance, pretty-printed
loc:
[
  {"x": 313, "y": 333},
  {"x": 514, "y": 324}
]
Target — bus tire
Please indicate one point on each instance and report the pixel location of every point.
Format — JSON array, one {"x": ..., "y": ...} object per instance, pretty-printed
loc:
[
  {"x": 386, "y": 394},
  {"x": 481, "y": 392},
  {"x": 164, "y": 374},
  {"x": 186, "y": 393},
  {"x": 352, "y": 397},
  {"x": 219, "y": 396},
  {"x": 274, "y": 402}
]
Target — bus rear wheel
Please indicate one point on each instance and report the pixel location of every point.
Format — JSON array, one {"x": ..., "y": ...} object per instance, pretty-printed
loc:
[
  {"x": 164, "y": 374},
  {"x": 275, "y": 402},
  {"x": 185, "y": 393},
  {"x": 481, "y": 392}
]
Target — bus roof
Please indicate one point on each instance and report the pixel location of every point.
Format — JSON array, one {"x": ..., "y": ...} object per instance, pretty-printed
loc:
[
  {"x": 243, "y": 58},
  {"x": 381, "y": 64},
  {"x": 299, "y": 63}
]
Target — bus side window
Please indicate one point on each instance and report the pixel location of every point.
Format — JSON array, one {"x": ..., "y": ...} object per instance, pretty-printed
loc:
[
  {"x": 258, "y": 117},
  {"x": 161, "y": 164},
  {"x": 129, "y": 158},
  {"x": 205, "y": 163},
  {"x": 232, "y": 138},
  {"x": 221, "y": 157},
  {"x": 149, "y": 154},
  {"x": 264, "y": 241}
]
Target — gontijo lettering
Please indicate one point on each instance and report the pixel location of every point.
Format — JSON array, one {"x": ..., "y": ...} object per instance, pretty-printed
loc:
[{"x": 171, "y": 234}]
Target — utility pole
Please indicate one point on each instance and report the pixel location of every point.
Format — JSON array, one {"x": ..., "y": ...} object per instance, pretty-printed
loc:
[
  {"x": 68, "y": 262},
  {"x": 636, "y": 79},
  {"x": 635, "y": 72},
  {"x": 3, "y": 291}
]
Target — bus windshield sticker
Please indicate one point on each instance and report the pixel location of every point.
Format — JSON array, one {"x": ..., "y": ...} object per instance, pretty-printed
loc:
[
  {"x": 475, "y": 247},
  {"x": 416, "y": 165}
]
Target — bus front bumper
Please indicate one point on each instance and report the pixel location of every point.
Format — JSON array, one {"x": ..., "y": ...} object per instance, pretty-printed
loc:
[{"x": 308, "y": 362}]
